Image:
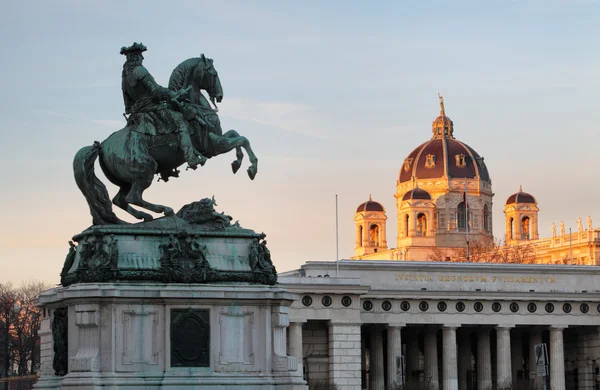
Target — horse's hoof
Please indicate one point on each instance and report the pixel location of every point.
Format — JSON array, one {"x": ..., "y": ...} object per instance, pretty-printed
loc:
[
  {"x": 252, "y": 173},
  {"x": 235, "y": 166},
  {"x": 147, "y": 218},
  {"x": 169, "y": 212}
]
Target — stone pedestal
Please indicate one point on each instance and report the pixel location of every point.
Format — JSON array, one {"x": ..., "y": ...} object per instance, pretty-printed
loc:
[{"x": 167, "y": 336}]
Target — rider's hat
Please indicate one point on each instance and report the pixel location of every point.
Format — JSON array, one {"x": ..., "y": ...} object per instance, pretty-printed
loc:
[{"x": 136, "y": 48}]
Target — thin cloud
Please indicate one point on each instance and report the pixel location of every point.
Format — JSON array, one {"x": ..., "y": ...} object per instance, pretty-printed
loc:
[
  {"x": 296, "y": 118},
  {"x": 103, "y": 122}
]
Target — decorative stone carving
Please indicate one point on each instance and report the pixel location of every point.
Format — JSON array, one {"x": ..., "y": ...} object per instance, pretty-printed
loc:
[
  {"x": 203, "y": 213},
  {"x": 198, "y": 245},
  {"x": 184, "y": 260},
  {"x": 87, "y": 320},
  {"x": 98, "y": 259},
  {"x": 280, "y": 321},
  {"x": 60, "y": 341}
]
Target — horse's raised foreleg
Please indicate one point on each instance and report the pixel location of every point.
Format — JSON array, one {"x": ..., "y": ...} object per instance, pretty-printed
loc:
[
  {"x": 236, "y": 164},
  {"x": 225, "y": 144},
  {"x": 119, "y": 201},
  {"x": 138, "y": 187}
]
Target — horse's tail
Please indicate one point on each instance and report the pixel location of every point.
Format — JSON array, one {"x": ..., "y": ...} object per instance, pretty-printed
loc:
[{"x": 94, "y": 191}]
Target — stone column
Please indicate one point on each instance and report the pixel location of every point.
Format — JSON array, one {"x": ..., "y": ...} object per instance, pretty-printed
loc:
[
  {"x": 585, "y": 370},
  {"x": 413, "y": 352},
  {"x": 503, "y": 366},
  {"x": 295, "y": 345},
  {"x": 394, "y": 352},
  {"x": 535, "y": 337},
  {"x": 344, "y": 356},
  {"x": 450, "y": 370},
  {"x": 431, "y": 359},
  {"x": 484, "y": 360},
  {"x": 377, "y": 378},
  {"x": 464, "y": 358},
  {"x": 516, "y": 350},
  {"x": 557, "y": 359}
]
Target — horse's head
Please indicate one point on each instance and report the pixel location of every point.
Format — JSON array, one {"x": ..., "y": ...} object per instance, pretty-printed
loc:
[{"x": 207, "y": 78}]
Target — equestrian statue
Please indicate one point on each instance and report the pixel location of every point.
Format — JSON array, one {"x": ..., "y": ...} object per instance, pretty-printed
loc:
[{"x": 166, "y": 127}]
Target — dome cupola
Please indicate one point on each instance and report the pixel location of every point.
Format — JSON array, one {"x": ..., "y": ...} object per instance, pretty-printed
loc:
[
  {"x": 520, "y": 197},
  {"x": 370, "y": 228},
  {"x": 443, "y": 156}
]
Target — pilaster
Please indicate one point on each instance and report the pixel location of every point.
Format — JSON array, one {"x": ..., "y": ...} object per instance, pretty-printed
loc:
[
  {"x": 484, "y": 360},
  {"x": 344, "y": 356}
]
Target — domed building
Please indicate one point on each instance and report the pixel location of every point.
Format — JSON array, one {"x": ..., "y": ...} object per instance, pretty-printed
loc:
[
  {"x": 444, "y": 204},
  {"x": 443, "y": 193}
]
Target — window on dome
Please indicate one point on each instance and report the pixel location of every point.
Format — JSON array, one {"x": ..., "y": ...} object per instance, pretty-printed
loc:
[
  {"x": 406, "y": 225},
  {"x": 525, "y": 222},
  {"x": 511, "y": 223},
  {"x": 487, "y": 216},
  {"x": 359, "y": 239},
  {"x": 407, "y": 163},
  {"x": 374, "y": 235},
  {"x": 430, "y": 161},
  {"x": 461, "y": 160},
  {"x": 421, "y": 225},
  {"x": 461, "y": 216}
]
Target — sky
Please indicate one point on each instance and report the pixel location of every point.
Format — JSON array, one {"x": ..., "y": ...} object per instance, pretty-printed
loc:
[{"x": 333, "y": 95}]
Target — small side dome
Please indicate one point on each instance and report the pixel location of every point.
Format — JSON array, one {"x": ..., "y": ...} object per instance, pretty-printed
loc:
[
  {"x": 520, "y": 197},
  {"x": 417, "y": 193},
  {"x": 370, "y": 205}
]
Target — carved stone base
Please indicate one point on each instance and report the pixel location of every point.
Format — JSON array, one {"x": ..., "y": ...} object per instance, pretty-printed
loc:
[
  {"x": 167, "y": 336},
  {"x": 197, "y": 245}
]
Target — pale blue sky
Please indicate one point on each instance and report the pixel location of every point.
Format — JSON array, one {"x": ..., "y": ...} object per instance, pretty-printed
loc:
[{"x": 333, "y": 96}]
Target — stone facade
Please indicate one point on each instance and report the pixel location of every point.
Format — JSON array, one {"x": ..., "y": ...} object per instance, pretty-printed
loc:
[
  {"x": 137, "y": 336},
  {"x": 447, "y": 326}
]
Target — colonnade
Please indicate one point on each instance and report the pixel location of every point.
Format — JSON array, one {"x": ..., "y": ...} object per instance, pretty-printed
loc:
[
  {"x": 456, "y": 357},
  {"x": 447, "y": 369}
]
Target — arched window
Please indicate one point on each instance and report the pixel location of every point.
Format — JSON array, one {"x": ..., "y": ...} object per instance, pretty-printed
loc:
[
  {"x": 374, "y": 235},
  {"x": 406, "y": 225},
  {"x": 421, "y": 225},
  {"x": 511, "y": 227},
  {"x": 525, "y": 228},
  {"x": 461, "y": 216},
  {"x": 486, "y": 219},
  {"x": 360, "y": 236}
]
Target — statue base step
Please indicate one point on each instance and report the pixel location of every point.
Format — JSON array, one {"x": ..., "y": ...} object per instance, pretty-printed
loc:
[{"x": 166, "y": 336}]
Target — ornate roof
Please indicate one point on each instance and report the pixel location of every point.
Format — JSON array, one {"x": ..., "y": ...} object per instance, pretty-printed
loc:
[
  {"x": 521, "y": 197},
  {"x": 417, "y": 193},
  {"x": 443, "y": 156},
  {"x": 370, "y": 205}
]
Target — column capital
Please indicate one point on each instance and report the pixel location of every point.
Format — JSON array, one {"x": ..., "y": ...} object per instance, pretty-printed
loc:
[
  {"x": 396, "y": 325},
  {"x": 558, "y": 327},
  {"x": 451, "y": 326},
  {"x": 340, "y": 323},
  {"x": 504, "y": 327},
  {"x": 298, "y": 321}
]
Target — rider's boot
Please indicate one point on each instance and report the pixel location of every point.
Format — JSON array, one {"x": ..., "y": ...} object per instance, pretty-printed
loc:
[{"x": 191, "y": 155}]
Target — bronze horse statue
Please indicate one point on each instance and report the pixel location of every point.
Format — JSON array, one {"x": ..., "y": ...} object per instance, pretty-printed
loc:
[{"x": 131, "y": 158}]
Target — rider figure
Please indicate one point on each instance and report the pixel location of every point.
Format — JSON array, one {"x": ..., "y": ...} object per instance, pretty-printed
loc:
[{"x": 146, "y": 103}]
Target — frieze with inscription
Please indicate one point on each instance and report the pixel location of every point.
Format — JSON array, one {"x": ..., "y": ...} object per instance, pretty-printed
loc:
[{"x": 474, "y": 278}]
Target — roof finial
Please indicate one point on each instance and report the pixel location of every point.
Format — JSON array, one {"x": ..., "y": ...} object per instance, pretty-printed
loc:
[
  {"x": 442, "y": 110},
  {"x": 520, "y": 188},
  {"x": 370, "y": 200}
]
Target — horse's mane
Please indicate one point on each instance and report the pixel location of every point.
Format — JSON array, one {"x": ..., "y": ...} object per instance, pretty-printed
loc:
[{"x": 181, "y": 72}]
